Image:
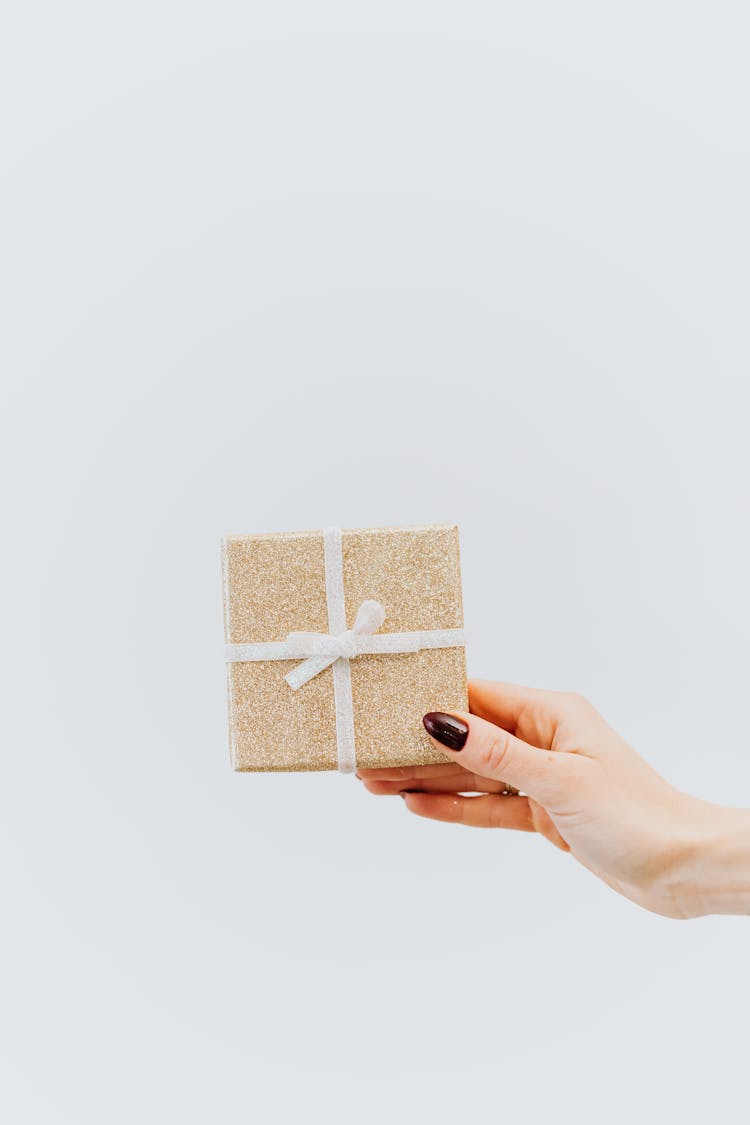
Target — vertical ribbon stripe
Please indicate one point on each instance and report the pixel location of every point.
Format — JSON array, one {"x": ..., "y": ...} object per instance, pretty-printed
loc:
[{"x": 342, "y": 674}]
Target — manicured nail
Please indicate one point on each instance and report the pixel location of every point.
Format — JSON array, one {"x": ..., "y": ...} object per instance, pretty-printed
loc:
[{"x": 446, "y": 729}]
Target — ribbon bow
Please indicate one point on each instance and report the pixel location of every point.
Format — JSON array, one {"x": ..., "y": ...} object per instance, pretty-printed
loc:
[{"x": 324, "y": 648}]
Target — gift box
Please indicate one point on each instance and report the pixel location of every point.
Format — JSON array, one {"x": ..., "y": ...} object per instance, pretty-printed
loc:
[{"x": 338, "y": 642}]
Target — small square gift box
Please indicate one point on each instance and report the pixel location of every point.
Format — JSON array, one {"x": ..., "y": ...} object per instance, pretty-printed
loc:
[{"x": 338, "y": 642}]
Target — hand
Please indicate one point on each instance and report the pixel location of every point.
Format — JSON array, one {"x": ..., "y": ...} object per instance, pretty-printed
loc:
[{"x": 584, "y": 789}]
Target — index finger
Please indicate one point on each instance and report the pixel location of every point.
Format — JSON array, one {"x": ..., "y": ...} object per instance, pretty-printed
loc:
[
  {"x": 406, "y": 773},
  {"x": 502, "y": 703}
]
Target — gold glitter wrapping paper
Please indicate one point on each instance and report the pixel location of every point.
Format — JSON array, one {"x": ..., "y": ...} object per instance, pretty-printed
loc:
[{"x": 275, "y": 584}]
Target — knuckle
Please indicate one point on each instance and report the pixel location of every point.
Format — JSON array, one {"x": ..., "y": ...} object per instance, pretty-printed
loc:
[
  {"x": 577, "y": 701},
  {"x": 495, "y": 752}
]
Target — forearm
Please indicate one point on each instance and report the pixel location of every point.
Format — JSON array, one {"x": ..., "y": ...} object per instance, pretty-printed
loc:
[{"x": 712, "y": 875}]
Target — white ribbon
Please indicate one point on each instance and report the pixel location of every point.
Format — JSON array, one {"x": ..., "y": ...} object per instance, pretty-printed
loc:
[{"x": 340, "y": 645}]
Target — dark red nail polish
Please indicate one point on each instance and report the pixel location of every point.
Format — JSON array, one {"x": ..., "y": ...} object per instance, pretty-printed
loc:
[{"x": 450, "y": 731}]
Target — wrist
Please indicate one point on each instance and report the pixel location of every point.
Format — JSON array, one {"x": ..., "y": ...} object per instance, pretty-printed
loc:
[{"x": 711, "y": 870}]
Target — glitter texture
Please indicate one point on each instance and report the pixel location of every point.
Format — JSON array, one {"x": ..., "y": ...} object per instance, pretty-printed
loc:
[{"x": 275, "y": 584}]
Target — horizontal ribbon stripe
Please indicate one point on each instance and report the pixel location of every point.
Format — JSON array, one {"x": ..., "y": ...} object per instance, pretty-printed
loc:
[{"x": 324, "y": 645}]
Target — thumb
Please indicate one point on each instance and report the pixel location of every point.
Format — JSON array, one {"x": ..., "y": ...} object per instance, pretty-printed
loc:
[{"x": 487, "y": 750}]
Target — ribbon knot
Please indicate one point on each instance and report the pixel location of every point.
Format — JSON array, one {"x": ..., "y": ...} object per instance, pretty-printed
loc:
[
  {"x": 346, "y": 645},
  {"x": 325, "y": 648}
]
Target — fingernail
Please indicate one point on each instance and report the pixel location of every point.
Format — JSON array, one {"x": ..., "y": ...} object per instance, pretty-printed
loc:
[{"x": 446, "y": 729}]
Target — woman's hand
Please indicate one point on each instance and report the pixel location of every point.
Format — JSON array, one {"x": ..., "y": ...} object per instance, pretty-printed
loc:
[{"x": 586, "y": 791}]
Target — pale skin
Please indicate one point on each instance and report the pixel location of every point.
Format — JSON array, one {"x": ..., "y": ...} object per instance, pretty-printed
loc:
[{"x": 588, "y": 792}]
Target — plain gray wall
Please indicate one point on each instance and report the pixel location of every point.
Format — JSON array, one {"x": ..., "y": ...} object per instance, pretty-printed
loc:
[{"x": 272, "y": 266}]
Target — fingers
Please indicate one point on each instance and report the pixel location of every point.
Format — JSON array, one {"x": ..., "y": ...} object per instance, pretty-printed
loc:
[
  {"x": 541, "y": 718},
  {"x": 504, "y": 704},
  {"x": 475, "y": 812},
  {"x": 490, "y": 751},
  {"x": 407, "y": 773},
  {"x": 449, "y": 781},
  {"x": 487, "y": 811}
]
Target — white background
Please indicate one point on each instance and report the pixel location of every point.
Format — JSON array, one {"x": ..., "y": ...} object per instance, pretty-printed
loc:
[{"x": 278, "y": 265}]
